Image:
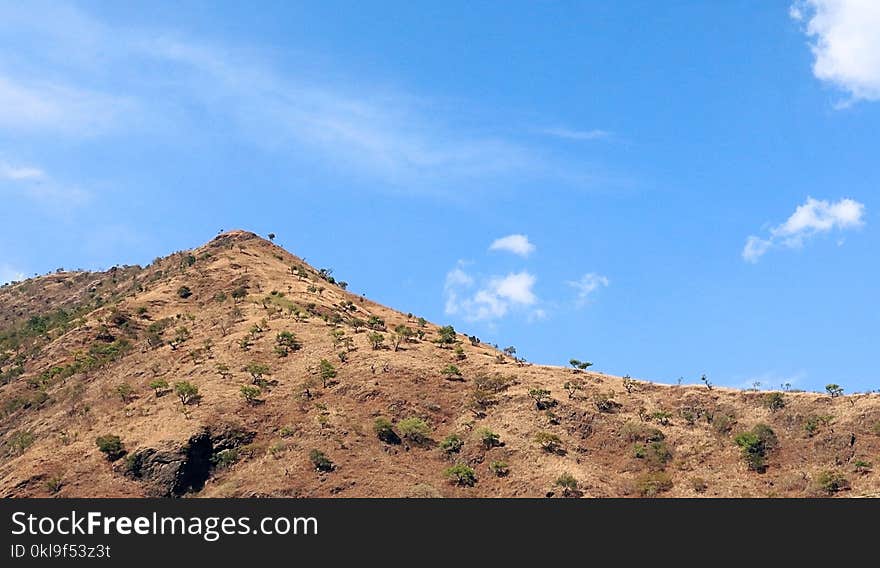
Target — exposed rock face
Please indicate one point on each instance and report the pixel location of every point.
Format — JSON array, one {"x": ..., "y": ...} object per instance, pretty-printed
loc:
[{"x": 185, "y": 468}]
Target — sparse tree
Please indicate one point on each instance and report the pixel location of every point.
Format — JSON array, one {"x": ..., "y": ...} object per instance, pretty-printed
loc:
[
  {"x": 446, "y": 336},
  {"x": 285, "y": 342},
  {"x": 159, "y": 385},
  {"x": 376, "y": 339},
  {"x": 271, "y": 237},
  {"x": 629, "y": 384},
  {"x": 706, "y": 382},
  {"x": 573, "y": 387},
  {"x": 250, "y": 393},
  {"x": 578, "y": 365},
  {"x": 320, "y": 460},
  {"x": 542, "y": 398},
  {"x": 327, "y": 371},
  {"x": 401, "y": 334},
  {"x": 834, "y": 390},
  {"x": 186, "y": 392},
  {"x": 257, "y": 371}
]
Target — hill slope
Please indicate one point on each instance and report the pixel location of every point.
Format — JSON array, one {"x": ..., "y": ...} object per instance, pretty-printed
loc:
[{"x": 80, "y": 351}]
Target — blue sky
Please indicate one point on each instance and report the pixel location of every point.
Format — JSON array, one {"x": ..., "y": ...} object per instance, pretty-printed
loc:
[{"x": 665, "y": 189}]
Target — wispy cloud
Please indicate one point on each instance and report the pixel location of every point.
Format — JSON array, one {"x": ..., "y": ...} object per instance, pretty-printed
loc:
[
  {"x": 516, "y": 244},
  {"x": 570, "y": 134},
  {"x": 53, "y": 107},
  {"x": 35, "y": 183},
  {"x": 845, "y": 43},
  {"x": 813, "y": 218},
  {"x": 409, "y": 142},
  {"x": 587, "y": 286},
  {"x": 20, "y": 173}
]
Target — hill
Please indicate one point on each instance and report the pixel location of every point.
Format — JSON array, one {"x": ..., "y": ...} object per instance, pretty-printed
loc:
[{"x": 237, "y": 370}]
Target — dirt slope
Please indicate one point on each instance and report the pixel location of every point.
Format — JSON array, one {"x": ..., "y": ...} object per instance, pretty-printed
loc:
[{"x": 79, "y": 351}]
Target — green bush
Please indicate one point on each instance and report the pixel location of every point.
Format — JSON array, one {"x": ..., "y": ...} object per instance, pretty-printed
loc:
[
  {"x": 111, "y": 446},
  {"x": 567, "y": 483},
  {"x": 755, "y": 445},
  {"x": 550, "y": 443},
  {"x": 542, "y": 398},
  {"x": 635, "y": 432},
  {"x": 186, "y": 392},
  {"x": 651, "y": 484},
  {"x": 250, "y": 393},
  {"x": 499, "y": 468},
  {"x": 832, "y": 481},
  {"x": 461, "y": 474},
  {"x": 774, "y": 401},
  {"x": 385, "y": 431},
  {"x": 451, "y": 444},
  {"x": 158, "y": 385},
  {"x": 19, "y": 442},
  {"x": 414, "y": 429},
  {"x": 125, "y": 391},
  {"x": 327, "y": 371},
  {"x": 488, "y": 438},
  {"x": 451, "y": 372},
  {"x": 184, "y": 292},
  {"x": 320, "y": 460}
]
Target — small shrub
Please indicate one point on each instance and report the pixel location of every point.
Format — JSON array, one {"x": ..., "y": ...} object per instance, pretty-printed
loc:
[
  {"x": 699, "y": 485},
  {"x": 755, "y": 444},
  {"x": 651, "y": 484},
  {"x": 862, "y": 466},
  {"x": 320, "y": 460},
  {"x": 414, "y": 429},
  {"x": 488, "y": 438},
  {"x": 568, "y": 484},
  {"x": 19, "y": 442},
  {"x": 635, "y": 432},
  {"x": 451, "y": 372},
  {"x": 376, "y": 339},
  {"x": 774, "y": 401},
  {"x": 605, "y": 402},
  {"x": 451, "y": 444},
  {"x": 832, "y": 481},
  {"x": 499, "y": 468},
  {"x": 327, "y": 371},
  {"x": 461, "y": 474},
  {"x": 385, "y": 431},
  {"x": 550, "y": 443},
  {"x": 250, "y": 393},
  {"x": 184, "y": 292},
  {"x": 125, "y": 391},
  {"x": 662, "y": 417},
  {"x": 111, "y": 446}
]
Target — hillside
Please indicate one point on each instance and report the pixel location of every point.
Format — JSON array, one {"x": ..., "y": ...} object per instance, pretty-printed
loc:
[{"x": 88, "y": 355}]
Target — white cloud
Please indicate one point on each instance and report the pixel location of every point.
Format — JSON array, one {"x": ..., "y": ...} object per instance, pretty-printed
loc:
[
  {"x": 492, "y": 300},
  {"x": 570, "y": 134},
  {"x": 10, "y": 274},
  {"x": 586, "y": 286},
  {"x": 808, "y": 220},
  {"x": 20, "y": 173},
  {"x": 516, "y": 244},
  {"x": 845, "y": 38}
]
